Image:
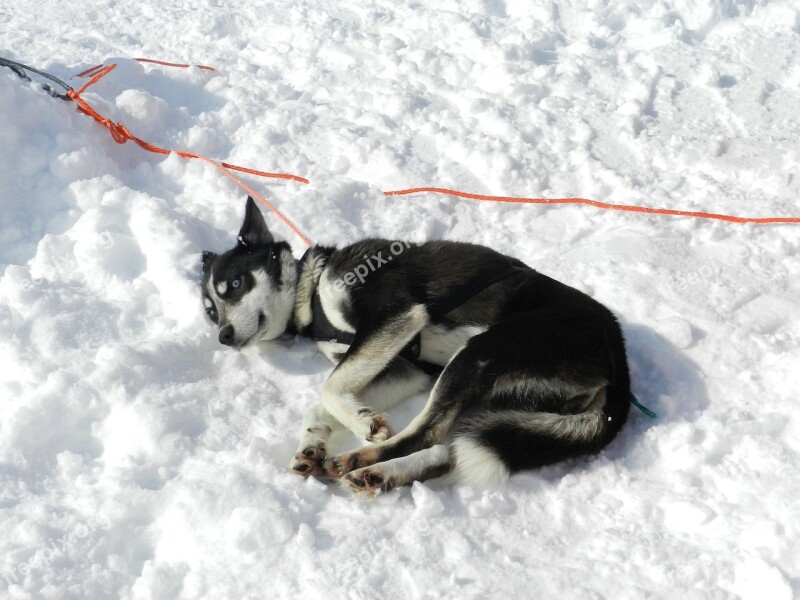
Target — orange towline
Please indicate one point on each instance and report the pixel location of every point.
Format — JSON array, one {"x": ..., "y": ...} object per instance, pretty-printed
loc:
[
  {"x": 121, "y": 134},
  {"x": 598, "y": 204}
]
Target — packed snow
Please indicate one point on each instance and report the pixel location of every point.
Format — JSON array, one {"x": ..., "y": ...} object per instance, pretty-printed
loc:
[{"x": 140, "y": 459}]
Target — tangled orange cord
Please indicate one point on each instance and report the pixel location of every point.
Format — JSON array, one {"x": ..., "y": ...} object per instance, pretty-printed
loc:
[{"x": 121, "y": 134}]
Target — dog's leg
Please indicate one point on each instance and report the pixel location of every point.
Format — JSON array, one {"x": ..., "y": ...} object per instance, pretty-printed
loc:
[
  {"x": 382, "y": 477},
  {"x": 364, "y": 361},
  {"x": 543, "y": 402},
  {"x": 458, "y": 386},
  {"x": 318, "y": 425},
  {"x": 398, "y": 381},
  {"x": 504, "y": 369}
]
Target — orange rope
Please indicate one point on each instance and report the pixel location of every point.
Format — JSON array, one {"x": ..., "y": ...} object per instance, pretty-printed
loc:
[
  {"x": 604, "y": 205},
  {"x": 169, "y": 64},
  {"x": 121, "y": 134},
  {"x": 224, "y": 168},
  {"x": 96, "y": 68}
]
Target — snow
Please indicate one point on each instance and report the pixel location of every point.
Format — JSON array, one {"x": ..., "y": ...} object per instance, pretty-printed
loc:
[{"x": 141, "y": 459}]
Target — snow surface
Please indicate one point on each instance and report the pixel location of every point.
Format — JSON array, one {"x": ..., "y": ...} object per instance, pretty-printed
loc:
[{"x": 141, "y": 459}]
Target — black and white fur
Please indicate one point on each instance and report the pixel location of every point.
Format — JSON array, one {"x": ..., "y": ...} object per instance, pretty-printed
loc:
[{"x": 534, "y": 371}]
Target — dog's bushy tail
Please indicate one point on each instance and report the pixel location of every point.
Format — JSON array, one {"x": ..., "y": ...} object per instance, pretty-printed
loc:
[{"x": 490, "y": 446}]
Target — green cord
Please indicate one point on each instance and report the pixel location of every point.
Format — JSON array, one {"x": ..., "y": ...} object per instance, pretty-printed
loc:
[{"x": 641, "y": 407}]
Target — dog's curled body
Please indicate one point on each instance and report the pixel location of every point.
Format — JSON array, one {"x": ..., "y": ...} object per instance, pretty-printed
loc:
[{"x": 533, "y": 371}]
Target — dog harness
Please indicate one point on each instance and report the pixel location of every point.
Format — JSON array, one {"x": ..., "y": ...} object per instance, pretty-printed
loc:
[{"x": 322, "y": 330}]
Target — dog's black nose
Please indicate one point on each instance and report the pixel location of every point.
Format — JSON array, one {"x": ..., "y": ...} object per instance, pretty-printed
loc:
[{"x": 226, "y": 335}]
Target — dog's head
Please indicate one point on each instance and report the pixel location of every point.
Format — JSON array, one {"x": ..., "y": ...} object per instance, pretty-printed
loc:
[{"x": 249, "y": 291}]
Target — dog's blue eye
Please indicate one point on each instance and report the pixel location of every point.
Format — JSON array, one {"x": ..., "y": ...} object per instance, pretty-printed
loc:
[
  {"x": 236, "y": 283},
  {"x": 211, "y": 312}
]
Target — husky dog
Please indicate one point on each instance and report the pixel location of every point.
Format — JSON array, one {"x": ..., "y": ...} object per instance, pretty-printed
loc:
[{"x": 528, "y": 371}]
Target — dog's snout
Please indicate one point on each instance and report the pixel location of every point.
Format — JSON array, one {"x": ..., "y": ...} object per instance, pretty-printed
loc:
[{"x": 227, "y": 335}]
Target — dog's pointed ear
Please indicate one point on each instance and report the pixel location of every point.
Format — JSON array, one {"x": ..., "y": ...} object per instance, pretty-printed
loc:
[
  {"x": 254, "y": 230},
  {"x": 208, "y": 260}
]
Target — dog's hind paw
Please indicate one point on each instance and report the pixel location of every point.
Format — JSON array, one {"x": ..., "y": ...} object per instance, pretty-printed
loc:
[
  {"x": 367, "y": 482},
  {"x": 309, "y": 462},
  {"x": 342, "y": 464},
  {"x": 337, "y": 466}
]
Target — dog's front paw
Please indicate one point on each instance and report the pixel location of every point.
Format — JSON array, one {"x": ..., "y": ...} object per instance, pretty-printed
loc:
[
  {"x": 309, "y": 461},
  {"x": 379, "y": 429},
  {"x": 367, "y": 482}
]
